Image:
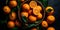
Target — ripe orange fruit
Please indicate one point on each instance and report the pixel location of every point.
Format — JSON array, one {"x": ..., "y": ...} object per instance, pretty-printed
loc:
[
  {"x": 50, "y": 19},
  {"x": 39, "y": 16},
  {"x": 39, "y": 8},
  {"x": 24, "y": 14},
  {"x": 49, "y": 10},
  {"x": 50, "y": 28},
  {"x": 13, "y": 3},
  {"x": 32, "y": 18},
  {"x": 12, "y": 16},
  {"x": 33, "y": 4},
  {"x": 26, "y": 6},
  {"x": 44, "y": 24},
  {"x": 11, "y": 24},
  {"x": 36, "y": 11},
  {"x": 6, "y": 9},
  {"x": 34, "y": 29}
]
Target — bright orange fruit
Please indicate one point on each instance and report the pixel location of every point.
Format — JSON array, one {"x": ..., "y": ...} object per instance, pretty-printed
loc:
[
  {"x": 6, "y": 9},
  {"x": 26, "y": 6},
  {"x": 32, "y": 18},
  {"x": 44, "y": 24},
  {"x": 50, "y": 28},
  {"x": 24, "y": 14},
  {"x": 13, "y": 3},
  {"x": 11, "y": 24}
]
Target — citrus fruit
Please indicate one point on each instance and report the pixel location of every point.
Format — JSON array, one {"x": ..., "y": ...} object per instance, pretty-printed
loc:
[
  {"x": 39, "y": 16},
  {"x": 36, "y": 11},
  {"x": 26, "y": 6},
  {"x": 32, "y": 18},
  {"x": 39, "y": 8},
  {"x": 6, "y": 9},
  {"x": 24, "y": 14},
  {"x": 50, "y": 28},
  {"x": 13, "y": 3},
  {"x": 50, "y": 19},
  {"x": 44, "y": 24},
  {"x": 11, "y": 24},
  {"x": 12, "y": 16},
  {"x": 33, "y": 4},
  {"x": 34, "y": 29},
  {"x": 50, "y": 10}
]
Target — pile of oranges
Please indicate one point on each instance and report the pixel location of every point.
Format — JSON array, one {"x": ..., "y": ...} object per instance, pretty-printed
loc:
[
  {"x": 12, "y": 15},
  {"x": 32, "y": 11}
]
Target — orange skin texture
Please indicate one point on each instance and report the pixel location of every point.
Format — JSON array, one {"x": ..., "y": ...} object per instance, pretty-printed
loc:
[
  {"x": 44, "y": 24},
  {"x": 39, "y": 16},
  {"x": 32, "y": 18},
  {"x": 12, "y": 16},
  {"x": 50, "y": 19},
  {"x": 24, "y": 14},
  {"x": 13, "y": 3},
  {"x": 6, "y": 9},
  {"x": 11, "y": 24},
  {"x": 50, "y": 28},
  {"x": 26, "y": 6}
]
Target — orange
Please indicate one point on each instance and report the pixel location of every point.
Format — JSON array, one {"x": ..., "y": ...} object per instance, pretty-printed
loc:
[
  {"x": 44, "y": 24},
  {"x": 24, "y": 14},
  {"x": 39, "y": 16},
  {"x": 36, "y": 11},
  {"x": 13, "y": 3},
  {"x": 32, "y": 18},
  {"x": 50, "y": 19},
  {"x": 50, "y": 28},
  {"x": 49, "y": 10},
  {"x": 33, "y": 4},
  {"x": 39, "y": 8},
  {"x": 11, "y": 24},
  {"x": 6, "y": 9},
  {"x": 26, "y": 6},
  {"x": 12, "y": 16},
  {"x": 34, "y": 29}
]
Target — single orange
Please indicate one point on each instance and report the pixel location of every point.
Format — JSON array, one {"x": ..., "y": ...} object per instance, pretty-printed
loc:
[
  {"x": 33, "y": 4},
  {"x": 32, "y": 18},
  {"x": 11, "y": 24},
  {"x": 44, "y": 24},
  {"x": 12, "y": 16},
  {"x": 50, "y": 28},
  {"x": 50, "y": 19},
  {"x": 6, "y": 9},
  {"x": 34, "y": 29},
  {"x": 24, "y": 14},
  {"x": 39, "y": 16},
  {"x": 36, "y": 11},
  {"x": 26, "y": 6},
  {"x": 13, "y": 3}
]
